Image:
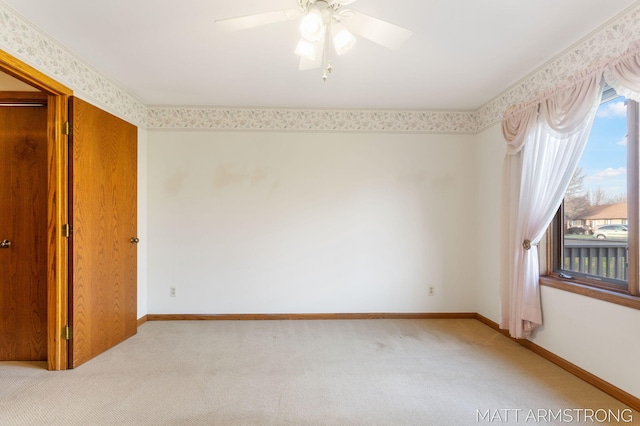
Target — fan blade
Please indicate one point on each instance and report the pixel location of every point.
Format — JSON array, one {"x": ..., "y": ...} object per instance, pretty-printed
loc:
[
  {"x": 309, "y": 64},
  {"x": 383, "y": 33},
  {"x": 251, "y": 21}
]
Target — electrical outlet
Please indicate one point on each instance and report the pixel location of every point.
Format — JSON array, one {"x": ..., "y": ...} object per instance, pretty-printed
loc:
[
  {"x": 172, "y": 291},
  {"x": 432, "y": 290}
]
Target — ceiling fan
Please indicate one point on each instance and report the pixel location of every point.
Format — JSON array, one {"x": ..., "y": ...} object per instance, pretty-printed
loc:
[{"x": 325, "y": 22}]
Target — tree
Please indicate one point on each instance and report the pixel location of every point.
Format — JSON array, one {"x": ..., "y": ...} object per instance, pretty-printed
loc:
[
  {"x": 576, "y": 200},
  {"x": 598, "y": 197},
  {"x": 576, "y": 185},
  {"x": 618, "y": 198}
]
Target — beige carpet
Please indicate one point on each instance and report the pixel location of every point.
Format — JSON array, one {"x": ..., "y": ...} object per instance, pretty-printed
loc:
[{"x": 341, "y": 372}]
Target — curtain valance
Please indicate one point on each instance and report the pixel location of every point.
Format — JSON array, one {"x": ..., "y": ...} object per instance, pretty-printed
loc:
[
  {"x": 565, "y": 107},
  {"x": 563, "y": 111},
  {"x": 516, "y": 126},
  {"x": 623, "y": 74}
]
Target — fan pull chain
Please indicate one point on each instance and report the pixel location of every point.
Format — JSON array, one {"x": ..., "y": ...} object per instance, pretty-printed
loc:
[{"x": 328, "y": 68}]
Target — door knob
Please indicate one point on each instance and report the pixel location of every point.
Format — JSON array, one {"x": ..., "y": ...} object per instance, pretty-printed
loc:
[
  {"x": 5, "y": 244},
  {"x": 134, "y": 240}
]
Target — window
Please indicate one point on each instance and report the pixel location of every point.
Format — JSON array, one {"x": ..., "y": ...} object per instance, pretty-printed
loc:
[{"x": 595, "y": 235}]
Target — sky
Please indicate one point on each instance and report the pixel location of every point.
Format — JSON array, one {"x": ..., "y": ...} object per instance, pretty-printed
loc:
[{"x": 604, "y": 161}]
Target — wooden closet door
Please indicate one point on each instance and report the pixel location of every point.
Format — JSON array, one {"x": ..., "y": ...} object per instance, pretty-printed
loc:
[
  {"x": 23, "y": 229},
  {"x": 103, "y": 197}
]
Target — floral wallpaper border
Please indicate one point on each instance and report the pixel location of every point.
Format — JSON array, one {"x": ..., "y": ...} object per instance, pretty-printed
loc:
[
  {"x": 19, "y": 38},
  {"x": 311, "y": 120}
]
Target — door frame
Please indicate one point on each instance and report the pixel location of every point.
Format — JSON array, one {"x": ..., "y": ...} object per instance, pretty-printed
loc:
[{"x": 58, "y": 205}]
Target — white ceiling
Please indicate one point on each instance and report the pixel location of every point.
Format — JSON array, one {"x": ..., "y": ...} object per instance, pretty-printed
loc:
[{"x": 462, "y": 53}]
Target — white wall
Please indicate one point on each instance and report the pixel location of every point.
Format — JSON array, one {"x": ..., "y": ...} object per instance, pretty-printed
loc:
[
  {"x": 143, "y": 214},
  {"x": 597, "y": 336},
  {"x": 489, "y": 152},
  {"x": 309, "y": 222}
]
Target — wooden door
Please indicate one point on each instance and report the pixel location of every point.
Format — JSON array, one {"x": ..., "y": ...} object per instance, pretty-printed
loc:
[
  {"x": 23, "y": 224},
  {"x": 103, "y": 197}
]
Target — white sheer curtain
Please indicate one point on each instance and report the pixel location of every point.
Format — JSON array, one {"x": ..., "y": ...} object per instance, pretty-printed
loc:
[
  {"x": 545, "y": 140},
  {"x": 545, "y": 143}
]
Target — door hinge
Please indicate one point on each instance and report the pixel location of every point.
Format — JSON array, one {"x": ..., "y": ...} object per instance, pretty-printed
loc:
[
  {"x": 66, "y": 128},
  {"x": 67, "y": 230},
  {"x": 68, "y": 333}
]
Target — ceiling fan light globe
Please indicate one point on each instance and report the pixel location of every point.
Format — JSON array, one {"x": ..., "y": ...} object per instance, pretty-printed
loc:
[
  {"x": 343, "y": 40},
  {"x": 312, "y": 26},
  {"x": 306, "y": 49}
]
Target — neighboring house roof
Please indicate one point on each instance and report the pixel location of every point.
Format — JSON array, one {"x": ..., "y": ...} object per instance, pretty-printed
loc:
[{"x": 609, "y": 211}]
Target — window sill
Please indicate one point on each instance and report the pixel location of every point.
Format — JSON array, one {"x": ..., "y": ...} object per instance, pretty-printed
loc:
[{"x": 597, "y": 293}]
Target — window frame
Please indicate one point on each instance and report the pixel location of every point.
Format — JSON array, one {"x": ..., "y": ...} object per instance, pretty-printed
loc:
[{"x": 607, "y": 290}]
